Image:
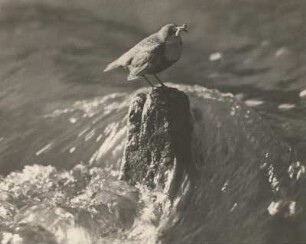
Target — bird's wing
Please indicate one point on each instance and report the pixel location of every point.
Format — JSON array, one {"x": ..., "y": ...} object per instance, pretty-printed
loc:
[
  {"x": 122, "y": 61},
  {"x": 137, "y": 57},
  {"x": 135, "y": 72},
  {"x": 144, "y": 54}
]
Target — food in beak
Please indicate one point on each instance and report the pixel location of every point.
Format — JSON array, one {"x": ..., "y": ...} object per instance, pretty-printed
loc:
[
  {"x": 184, "y": 27},
  {"x": 181, "y": 28}
]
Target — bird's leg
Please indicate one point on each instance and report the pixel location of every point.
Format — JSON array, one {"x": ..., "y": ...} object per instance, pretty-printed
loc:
[
  {"x": 160, "y": 82},
  {"x": 147, "y": 80}
]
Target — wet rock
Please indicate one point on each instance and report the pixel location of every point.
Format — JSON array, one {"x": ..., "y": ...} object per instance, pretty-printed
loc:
[{"x": 158, "y": 144}]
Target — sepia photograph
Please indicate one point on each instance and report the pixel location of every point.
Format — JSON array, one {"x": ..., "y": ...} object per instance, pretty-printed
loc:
[{"x": 152, "y": 122}]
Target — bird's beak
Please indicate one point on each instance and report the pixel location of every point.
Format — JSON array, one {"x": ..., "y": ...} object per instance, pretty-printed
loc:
[{"x": 181, "y": 28}]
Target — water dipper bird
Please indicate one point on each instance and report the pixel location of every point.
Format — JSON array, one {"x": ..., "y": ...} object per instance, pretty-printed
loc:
[{"x": 153, "y": 54}]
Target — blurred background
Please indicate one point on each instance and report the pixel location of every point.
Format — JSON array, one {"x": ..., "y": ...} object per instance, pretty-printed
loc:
[{"x": 53, "y": 53}]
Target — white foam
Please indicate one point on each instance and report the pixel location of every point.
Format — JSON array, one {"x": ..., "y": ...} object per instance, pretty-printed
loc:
[
  {"x": 273, "y": 208},
  {"x": 99, "y": 138},
  {"x": 92, "y": 107},
  {"x": 215, "y": 56},
  {"x": 234, "y": 207},
  {"x": 253, "y": 102},
  {"x": 111, "y": 141},
  {"x": 281, "y": 52},
  {"x": 223, "y": 189},
  {"x": 292, "y": 208},
  {"x": 3, "y": 212},
  {"x": 8, "y": 238},
  {"x": 296, "y": 169},
  {"x": 83, "y": 131},
  {"x": 286, "y": 106},
  {"x": 72, "y": 120},
  {"x": 272, "y": 178},
  {"x": 44, "y": 149},
  {"x": 90, "y": 135},
  {"x": 78, "y": 235},
  {"x": 303, "y": 93}
]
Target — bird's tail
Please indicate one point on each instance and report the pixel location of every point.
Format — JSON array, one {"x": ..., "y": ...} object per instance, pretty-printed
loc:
[{"x": 111, "y": 66}]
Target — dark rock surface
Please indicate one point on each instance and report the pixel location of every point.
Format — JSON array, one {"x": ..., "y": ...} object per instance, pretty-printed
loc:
[{"x": 159, "y": 133}]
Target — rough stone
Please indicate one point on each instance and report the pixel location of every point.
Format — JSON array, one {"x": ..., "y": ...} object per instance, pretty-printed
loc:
[{"x": 159, "y": 133}]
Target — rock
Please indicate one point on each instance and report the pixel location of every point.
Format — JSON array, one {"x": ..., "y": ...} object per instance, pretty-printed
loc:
[{"x": 158, "y": 144}]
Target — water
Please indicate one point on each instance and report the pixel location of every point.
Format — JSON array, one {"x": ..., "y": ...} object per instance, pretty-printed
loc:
[
  {"x": 57, "y": 108},
  {"x": 236, "y": 159}
]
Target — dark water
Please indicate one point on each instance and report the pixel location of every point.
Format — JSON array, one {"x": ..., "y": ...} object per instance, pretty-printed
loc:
[{"x": 58, "y": 108}]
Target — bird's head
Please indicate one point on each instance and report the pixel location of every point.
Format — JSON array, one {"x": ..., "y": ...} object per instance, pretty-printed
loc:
[{"x": 171, "y": 30}]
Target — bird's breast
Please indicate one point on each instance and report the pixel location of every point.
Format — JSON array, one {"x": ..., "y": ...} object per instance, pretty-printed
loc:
[{"x": 173, "y": 49}]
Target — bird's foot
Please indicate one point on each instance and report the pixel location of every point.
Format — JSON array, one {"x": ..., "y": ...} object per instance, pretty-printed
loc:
[{"x": 161, "y": 83}]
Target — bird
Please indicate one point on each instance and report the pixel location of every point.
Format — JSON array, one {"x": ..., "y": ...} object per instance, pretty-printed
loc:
[{"x": 152, "y": 55}]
